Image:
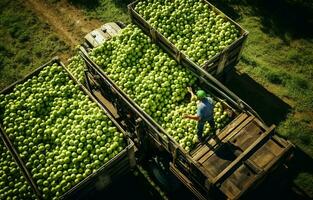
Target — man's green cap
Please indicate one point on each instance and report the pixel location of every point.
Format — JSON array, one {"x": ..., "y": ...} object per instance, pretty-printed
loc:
[{"x": 201, "y": 94}]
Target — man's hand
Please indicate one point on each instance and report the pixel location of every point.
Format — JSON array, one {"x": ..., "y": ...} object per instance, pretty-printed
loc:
[
  {"x": 193, "y": 97},
  {"x": 189, "y": 90},
  {"x": 193, "y": 117}
]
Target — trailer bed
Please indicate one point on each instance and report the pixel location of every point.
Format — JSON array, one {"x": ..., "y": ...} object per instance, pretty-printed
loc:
[{"x": 228, "y": 165}]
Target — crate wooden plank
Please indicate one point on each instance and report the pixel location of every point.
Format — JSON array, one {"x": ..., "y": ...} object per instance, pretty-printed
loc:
[
  {"x": 228, "y": 137},
  {"x": 234, "y": 52},
  {"x": 280, "y": 141},
  {"x": 215, "y": 164},
  {"x": 230, "y": 189},
  {"x": 230, "y": 62},
  {"x": 268, "y": 153},
  {"x": 238, "y": 182},
  {"x": 247, "y": 136},
  {"x": 222, "y": 62},
  {"x": 204, "y": 148},
  {"x": 256, "y": 169},
  {"x": 239, "y": 128},
  {"x": 242, "y": 176},
  {"x": 278, "y": 159},
  {"x": 107, "y": 104},
  {"x": 243, "y": 155}
]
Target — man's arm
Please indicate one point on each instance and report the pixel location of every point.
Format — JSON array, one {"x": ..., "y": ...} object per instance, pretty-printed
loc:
[
  {"x": 193, "y": 117},
  {"x": 191, "y": 93}
]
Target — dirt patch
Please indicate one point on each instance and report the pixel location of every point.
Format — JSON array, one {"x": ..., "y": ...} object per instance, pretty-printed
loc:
[{"x": 69, "y": 23}]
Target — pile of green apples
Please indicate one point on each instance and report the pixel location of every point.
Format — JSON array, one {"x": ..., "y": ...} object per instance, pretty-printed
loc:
[
  {"x": 13, "y": 185},
  {"x": 61, "y": 135},
  {"x": 153, "y": 80},
  {"x": 184, "y": 131},
  {"x": 142, "y": 70},
  {"x": 77, "y": 66},
  {"x": 191, "y": 25}
]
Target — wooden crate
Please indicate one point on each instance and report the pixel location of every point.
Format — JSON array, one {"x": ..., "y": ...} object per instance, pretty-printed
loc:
[
  {"x": 216, "y": 66},
  {"x": 109, "y": 171}
]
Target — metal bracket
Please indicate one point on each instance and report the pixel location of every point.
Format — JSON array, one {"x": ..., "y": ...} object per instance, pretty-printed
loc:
[{"x": 87, "y": 81}]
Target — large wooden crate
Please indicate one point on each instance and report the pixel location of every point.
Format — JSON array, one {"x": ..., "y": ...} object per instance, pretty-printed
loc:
[
  {"x": 257, "y": 142},
  {"x": 107, "y": 173},
  {"x": 217, "y": 66}
]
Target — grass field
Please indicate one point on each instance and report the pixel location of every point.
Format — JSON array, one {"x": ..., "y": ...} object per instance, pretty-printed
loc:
[
  {"x": 25, "y": 42},
  {"x": 105, "y": 11}
]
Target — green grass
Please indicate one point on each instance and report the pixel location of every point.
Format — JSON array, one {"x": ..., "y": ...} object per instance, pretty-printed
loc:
[
  {"x": 25, "y": 42},
  {"x": 278, "y": 56},
  {"x": 305, "y": 180},
  {"x": 284, "y": 68},
  {"x": 104, "y": 10}
]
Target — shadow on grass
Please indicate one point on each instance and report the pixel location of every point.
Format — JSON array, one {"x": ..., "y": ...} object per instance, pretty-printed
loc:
[
  {"x": 228, "y": 7},
  {"x": 302, "y": 163},
  {"x": 287, "y": 19},
  {"x": 270, "y": 108},
  {"x": 122, "y": 3},
  {"x": 89, "y": 4},
  {"x": 280, "y": 185}
]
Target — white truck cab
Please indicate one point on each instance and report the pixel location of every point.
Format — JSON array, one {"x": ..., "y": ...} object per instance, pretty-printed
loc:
[{"x": 98, "y": 36}]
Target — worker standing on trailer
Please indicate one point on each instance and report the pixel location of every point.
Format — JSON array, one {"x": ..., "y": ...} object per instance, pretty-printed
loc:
[{"x": 204, "y": 112}]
